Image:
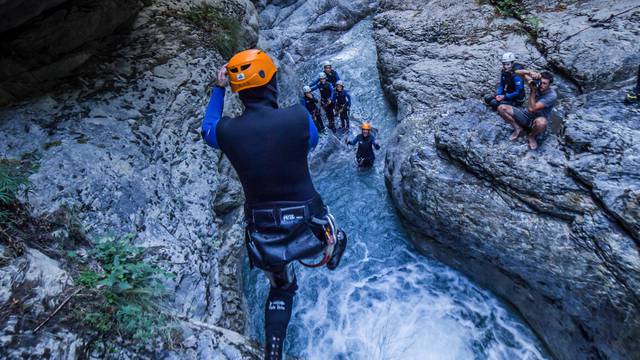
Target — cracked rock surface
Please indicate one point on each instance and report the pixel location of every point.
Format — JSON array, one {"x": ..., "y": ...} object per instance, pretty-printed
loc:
[
  {"x": 552, "y": 231},
  {"x": 121, "y": 147}
]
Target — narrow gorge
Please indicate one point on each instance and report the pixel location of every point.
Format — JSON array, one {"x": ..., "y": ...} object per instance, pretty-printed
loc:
[{"x": 463, "y": 245}]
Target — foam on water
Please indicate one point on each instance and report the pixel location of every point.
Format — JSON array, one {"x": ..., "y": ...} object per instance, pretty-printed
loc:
[{"x": 384, "y": 301}]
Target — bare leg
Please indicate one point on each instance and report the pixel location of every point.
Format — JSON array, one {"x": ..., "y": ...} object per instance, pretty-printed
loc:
[
  {"x": 506, "y": 112},
  {"x": 539, "y": 125}
]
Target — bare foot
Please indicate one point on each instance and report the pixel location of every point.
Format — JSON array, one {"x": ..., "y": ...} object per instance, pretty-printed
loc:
[
  {"x": 533, "y": 144},
  {"x": 515, "y": 134}
]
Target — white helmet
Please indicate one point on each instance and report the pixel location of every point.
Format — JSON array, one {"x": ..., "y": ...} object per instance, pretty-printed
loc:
[
  {"x": 322, "y": 75},
  {"x": 340, "y": 82},
  {"x": 508, "y": 57},
  {"x": 326, "y": 63},
  {"x": 306, "y": 89}
]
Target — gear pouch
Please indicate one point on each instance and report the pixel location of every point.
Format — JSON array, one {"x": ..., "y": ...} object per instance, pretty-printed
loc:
[{"x": 277, "y": 237}]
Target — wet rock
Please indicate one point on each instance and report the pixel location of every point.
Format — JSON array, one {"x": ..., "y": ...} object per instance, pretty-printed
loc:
[
  {"x": 552, "y": 231},
  {"x": 125, "y": 153}
]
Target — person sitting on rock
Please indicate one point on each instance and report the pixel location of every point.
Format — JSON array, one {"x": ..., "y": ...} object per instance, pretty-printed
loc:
[
  {"x": 633, "y": 94},
  {"x": 311, "y": 104},
  {"x": 542, "y": 99},
  {"x": 365, "y": 156},
  {"x": 326, "y": 94},
  {"x": 511, "y": 87},
  {"x": 286, "y": 219},
  {"x": 342, "y": 101},
  {"x": 332, "y": 75}
]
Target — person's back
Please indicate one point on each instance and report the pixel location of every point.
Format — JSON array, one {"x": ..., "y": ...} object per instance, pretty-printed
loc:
[{"x": 268, "y": 147}]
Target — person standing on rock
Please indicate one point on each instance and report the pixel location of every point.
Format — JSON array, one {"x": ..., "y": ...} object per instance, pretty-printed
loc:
[
  {"x": 542, "y": 99},
  {"x": 326, "y": 94},
  {"x": 365, "y": 156},
  {"x": 268, "y": 146},
  {"x": 511, "y": 87},
  {"x": 311, "y": 104},
  {"x": 342, "y": 100},
  {"x": 332, "y": 75}
]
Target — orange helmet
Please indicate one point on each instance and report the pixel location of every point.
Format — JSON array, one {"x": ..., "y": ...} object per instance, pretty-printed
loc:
[
  {"x": 366, "y": 126},
  {"x": 250, "y": 69}
]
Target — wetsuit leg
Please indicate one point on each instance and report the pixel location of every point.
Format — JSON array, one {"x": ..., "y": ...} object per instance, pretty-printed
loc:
[
  {"x": 344, "y": 118},
  {"x": 328, "y": 109},
  {"x": 317, "y": 118},
  {"x": 277, "y": 311}
]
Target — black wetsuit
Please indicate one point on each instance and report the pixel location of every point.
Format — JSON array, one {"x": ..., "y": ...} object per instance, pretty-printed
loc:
[
  {"x": 326, "y": 94},
  {"x": 268, "y": 148},
  {"x": 311, "y": 104},
  {"x": 365, "y": 155}
]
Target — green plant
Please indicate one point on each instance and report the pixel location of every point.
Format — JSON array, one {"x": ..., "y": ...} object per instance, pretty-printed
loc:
[
  {"x": 125, "y": 292},
  {"x": 14, "y": 179},
  {"x": 223, "y": 32},
  {"x": 509, "y": 7}
]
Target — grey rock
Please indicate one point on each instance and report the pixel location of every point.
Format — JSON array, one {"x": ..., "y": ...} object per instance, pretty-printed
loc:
[
  {"x": 552, "y": 231},
  {"x": 131, "y": 160},
  {"x": 52, "y": 44}
]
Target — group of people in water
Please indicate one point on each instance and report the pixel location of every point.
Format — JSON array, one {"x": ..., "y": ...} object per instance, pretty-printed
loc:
[
  {"x": 286, "y": 219},
  {"x": 335, "y": 101}
]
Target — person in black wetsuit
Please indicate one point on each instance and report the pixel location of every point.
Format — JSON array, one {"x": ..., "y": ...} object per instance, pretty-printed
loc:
[
  {"x": 326, "y": 94},
  {"x": 634, "y": 94},
  {"x": 311, "y": 104},
  {"x": 366, "y": 143},
  {"x": 268, "y": 147},
  {"x": 342, "y": 101}
]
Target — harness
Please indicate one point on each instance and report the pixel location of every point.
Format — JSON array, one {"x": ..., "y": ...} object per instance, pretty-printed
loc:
[{"x": 278, "y": 233}]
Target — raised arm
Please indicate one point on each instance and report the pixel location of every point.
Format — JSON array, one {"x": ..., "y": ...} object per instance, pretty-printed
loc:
[{"x": 211, "y": 117}]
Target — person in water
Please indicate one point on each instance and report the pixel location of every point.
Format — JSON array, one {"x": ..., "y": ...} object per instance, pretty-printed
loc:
[
  {"x": 633, "y": 94},
  {"x": 342, "y": 101},
  {"x": 365, "y": 156},
  {"x": 542, "y": 99},
  {"x": 326, "y": 94},
  {"x": 332, "y": 75},
  {"x": 286, "y": 219},
  {"x": 311, "y": 104},
  {"x": 510, "y": 90}
]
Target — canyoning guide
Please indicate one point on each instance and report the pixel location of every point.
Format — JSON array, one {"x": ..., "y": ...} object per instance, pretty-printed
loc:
[
  {"x": 365, "y": 156},
  {"x": 286, "y": 219}
]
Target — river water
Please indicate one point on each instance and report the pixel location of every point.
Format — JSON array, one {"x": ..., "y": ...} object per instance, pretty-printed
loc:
[{"x": 385, "y": 301}]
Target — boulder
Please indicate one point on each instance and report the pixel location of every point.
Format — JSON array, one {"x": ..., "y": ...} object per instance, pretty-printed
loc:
[{"x": 552, "y": 231}]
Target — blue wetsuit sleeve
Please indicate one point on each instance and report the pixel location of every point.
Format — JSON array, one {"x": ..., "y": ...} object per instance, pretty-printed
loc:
[
  {"x": 375, "y": 144},
  {"x": 332, "y": 92},
  {"x": 211, "y": 117},
  {"x": 313, "y": 134},
  {"x": 346, "y": 94},
  {"x": 500, "y": 90},
  {"x": 335, "y": 73},
  {"x": 334, "y": 97},
  {"x": 354, "y": 141},
  {"x": 517, "y": 80}
]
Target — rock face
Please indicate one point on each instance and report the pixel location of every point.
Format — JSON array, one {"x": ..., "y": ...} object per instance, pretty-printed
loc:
[
  {"x": 43, "y": 41},
  {"x": 122, "y": 149},
  {"x": 552, "y": 231}
]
